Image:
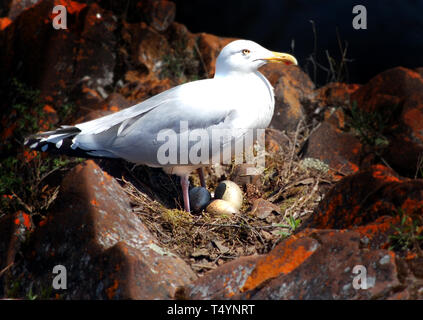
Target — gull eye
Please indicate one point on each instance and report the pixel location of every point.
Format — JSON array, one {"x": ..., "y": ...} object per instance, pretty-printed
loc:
[{"x": 245, "y": 52}]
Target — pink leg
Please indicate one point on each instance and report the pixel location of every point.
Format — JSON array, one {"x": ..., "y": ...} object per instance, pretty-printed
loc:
[
  {"x": 201, "y": 174},
  {"x": 185, "y": 193}
]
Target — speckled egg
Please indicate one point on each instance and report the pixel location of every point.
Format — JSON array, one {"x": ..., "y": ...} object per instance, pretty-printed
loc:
[
  {"x": 219, "y": 207},
  {"x": 199, "y": 198},
  {"x": 231, "y": 192}
]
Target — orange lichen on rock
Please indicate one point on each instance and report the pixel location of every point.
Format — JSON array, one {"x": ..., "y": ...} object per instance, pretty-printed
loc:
[
  {"x": 354, "y": 168},
  {"x": 379, "y": 226},
  {"x": 334, "y": 205},
  {"x": 412, "y": 205},
  {"x": 48, "y": 109},
  {"x": 413, "y": 74},
  {"x": 380, "y": 172},
  {"x": 111, "y": 291},
  {"x": 8, "y": 132},
  {"x": 282, "y": 260},
  {"x": 4, "y": 22},
  {"x": 414, "y": 118},
  {"x": 410, "y": 255},
  {"x": 29, "y": 155},
  {"x": 24, "y": 219},
  {"x": 71, "y": 6},
  {"x": 114, "y": 108}
]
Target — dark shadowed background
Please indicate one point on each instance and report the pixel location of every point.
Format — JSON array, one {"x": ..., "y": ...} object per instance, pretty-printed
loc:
[{"x": 394, "y": 35}]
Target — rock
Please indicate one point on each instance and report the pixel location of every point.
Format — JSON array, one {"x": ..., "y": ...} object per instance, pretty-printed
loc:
[
  {"x": 146, "y": 46},
  {"x": 336, "y": 94},
  {"x": 416, "y": 266},
  {"x": 209, "y": 47},
  {"x": 114, "y": 103},
  {"x": 394, "y": 83},
  {"x": 247, "y": 273},
  {"x": 315, "y": 264},
  {"x": 324, "y": 270},
  {"x": 341, "y": 150},
  {"x": 293, "y": 93},
  {"x": 360, "y": 199},
  {"x": 70, "y": 56},
  {"x": 276, "y": 141},
  {"x": 405, "y": 147},
  {"x": 394, "y": 103},
  {"x": 263, "y": 208},
  {"x": 229, "y": 191},
  {"x": 17, "y": 6},
  {"x": 221, "y": 283},
  {"x": 273, "y": 72},
  {"x": 14, "y": 230},
  {"x": 376, "y": 234},
  {"x": 160, "y": 14},
  {"x": 396, "y": 95},
  {"x": 333, "y": 95},
  {"x": 107, "y": 251}
]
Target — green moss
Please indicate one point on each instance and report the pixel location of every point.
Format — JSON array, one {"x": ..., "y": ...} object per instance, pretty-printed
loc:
[
  {"x": 176, "y": 218},
  {"x": 316, "y": 164},
  {"x": 408, "y": 234}
]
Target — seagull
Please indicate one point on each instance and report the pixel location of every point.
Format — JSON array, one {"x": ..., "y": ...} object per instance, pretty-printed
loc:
[{"x": 237, "y": 98}]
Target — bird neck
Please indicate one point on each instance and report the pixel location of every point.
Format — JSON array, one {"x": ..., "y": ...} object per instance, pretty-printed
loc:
[{"x": 235, "y": 74}]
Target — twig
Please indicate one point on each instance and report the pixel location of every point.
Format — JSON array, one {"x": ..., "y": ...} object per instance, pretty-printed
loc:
[
  {"x": 201, "y": 59},
  {"x": 419, "y": 165},
  {"x": 27, "y": 207},
  {"x": 303, "y": 200},
  {"x": 6, "y": 268},
  {"x": 291, "y": 159}
]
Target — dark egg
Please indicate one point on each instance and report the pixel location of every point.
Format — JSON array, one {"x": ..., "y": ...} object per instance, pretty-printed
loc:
[{"x": 199, "y": 198}]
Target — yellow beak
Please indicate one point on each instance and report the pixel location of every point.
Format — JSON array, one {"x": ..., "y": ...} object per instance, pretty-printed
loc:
[{"x": 282, "y": 57}]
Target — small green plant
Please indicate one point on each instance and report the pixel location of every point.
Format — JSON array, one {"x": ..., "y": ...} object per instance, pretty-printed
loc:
[
  {"x": 292, "y": 225},
  {"x": 368, "y": 126},
  {"x": 31, "y": 295},
  {"x": 65, "y": 111},
  {"x": 13, "y": 289},
  {"x": 408, "y": 234}
]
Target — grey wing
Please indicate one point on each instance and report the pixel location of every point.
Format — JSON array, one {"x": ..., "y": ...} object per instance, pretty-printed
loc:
[
  {"x": 144, "y": 139},
  {"x": 104, "y": 123},
  {"x": 139, "y": 138}
]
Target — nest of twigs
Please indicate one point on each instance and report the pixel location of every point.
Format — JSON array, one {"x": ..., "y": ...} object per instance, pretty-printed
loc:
[{"x": 293, "y": 185}]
